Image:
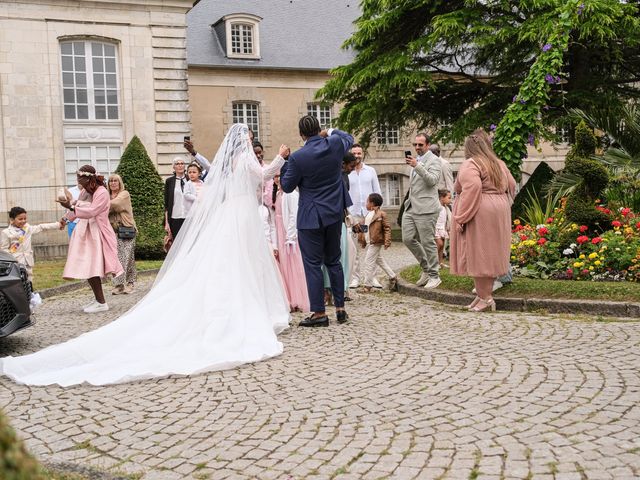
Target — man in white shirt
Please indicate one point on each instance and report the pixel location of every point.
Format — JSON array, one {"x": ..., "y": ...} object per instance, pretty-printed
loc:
[
  {"x": 446, "y": 178},
  {"x": 363, "y": 181}
]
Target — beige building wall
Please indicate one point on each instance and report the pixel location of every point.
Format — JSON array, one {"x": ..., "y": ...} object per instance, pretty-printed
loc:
[
  {"x": 283, "y": 96},
  {"x": 149, "y": 37}
]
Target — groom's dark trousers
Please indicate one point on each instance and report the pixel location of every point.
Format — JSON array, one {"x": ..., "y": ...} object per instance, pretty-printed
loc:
[{"x": 322, "y": 246}]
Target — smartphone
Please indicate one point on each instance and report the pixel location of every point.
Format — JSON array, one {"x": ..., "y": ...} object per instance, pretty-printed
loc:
[
  {"x": 187, "y": 138},
  {"x": 407, "y": 153}
]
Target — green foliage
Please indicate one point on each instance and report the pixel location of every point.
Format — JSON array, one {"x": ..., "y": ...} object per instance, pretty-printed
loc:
[
  {"x": 429, "y": 63},
  {"x": 594, "y": 177},
  {"x": 15, "y": 462},
  {"x": 146, "y": 188},
  {"x": 535, "y": 187}
]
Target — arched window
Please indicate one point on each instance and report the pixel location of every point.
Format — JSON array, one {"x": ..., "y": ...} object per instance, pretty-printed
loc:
[{"x": 90, "y": 80}]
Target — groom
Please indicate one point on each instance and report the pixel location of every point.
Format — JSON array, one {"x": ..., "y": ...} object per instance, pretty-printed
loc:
[{"x": 316, "y": 169}]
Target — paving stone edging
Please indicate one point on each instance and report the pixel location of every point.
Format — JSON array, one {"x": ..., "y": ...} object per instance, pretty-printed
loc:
[
  {"x": 588, "y": 307},
  {"x": 71, "y": 287}
]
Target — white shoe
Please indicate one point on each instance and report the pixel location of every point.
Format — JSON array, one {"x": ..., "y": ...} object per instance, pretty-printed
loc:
[
  {"x": 433, "y": 282},
  {"x": 354, "y": 283},
  {"x": 424, "y": 278},
  {"x": 97, "y": 307},
  {"x": 375, "y": 283},
  {"x": 496, "y": 285}
]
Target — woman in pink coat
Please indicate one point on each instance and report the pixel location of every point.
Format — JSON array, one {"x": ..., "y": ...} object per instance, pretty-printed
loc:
[
  {"x": 93, "y": 247},
  {"x": 481, "y": 230}
]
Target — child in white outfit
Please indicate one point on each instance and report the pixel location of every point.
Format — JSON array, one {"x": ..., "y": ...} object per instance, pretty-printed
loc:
[
  {"x": 16, "y": 238},
  {"x": 442, "y": 224}
]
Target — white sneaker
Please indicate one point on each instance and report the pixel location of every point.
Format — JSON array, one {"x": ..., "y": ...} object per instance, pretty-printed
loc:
[
  {"x": 496, "y": 285},
  {"x": 422, "y": 281},
  {"x": 433, "y": 282},
  {"x": 97, "y": 307},
  {"x": 375, "y": 283},
  {"x": 354, "y": 283},
  {"x": 90, "y": 304}
]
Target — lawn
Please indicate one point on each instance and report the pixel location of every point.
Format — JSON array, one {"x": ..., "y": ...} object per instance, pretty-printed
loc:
[
  {"x": 536, "y": 288},
  {"x": 47, "y": 274}
]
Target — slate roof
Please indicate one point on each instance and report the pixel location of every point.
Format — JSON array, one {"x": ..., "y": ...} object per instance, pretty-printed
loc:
[{"x": 294, "y": 34}]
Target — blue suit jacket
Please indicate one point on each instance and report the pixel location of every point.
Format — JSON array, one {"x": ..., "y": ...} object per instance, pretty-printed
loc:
[{"x": 316, "y": 169}]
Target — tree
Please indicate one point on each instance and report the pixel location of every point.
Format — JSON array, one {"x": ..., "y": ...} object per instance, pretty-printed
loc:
[
  {"x": 453, "y": 65},
  {"x": 146, "y": 188}
]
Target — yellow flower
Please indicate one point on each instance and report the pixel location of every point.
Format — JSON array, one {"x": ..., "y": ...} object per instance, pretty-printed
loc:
[
  {"x": 590, "y": 268},
  {"x": 574, "y": 226},
  {"x": 628, "y": 230},
  {"x": 513, "y": 247},
  {"x": 578, "y": 264},
  {"x": 581, "y": 257},
  {"x": 597, "y": 262},
  {"x": 593, "y": 255},
  {"x": 516, "y": 222},
  {"x": 513, "y": 257}
]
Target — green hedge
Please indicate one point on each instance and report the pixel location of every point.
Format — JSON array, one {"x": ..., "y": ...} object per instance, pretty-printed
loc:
[
  {"x": 534, "y": 188},
  {"x": 15, "y": 462},
  {"x": 146, "y": 188}
]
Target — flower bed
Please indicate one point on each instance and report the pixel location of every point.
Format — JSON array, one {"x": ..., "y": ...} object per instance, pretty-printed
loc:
[{"x": 562, "y": 250}]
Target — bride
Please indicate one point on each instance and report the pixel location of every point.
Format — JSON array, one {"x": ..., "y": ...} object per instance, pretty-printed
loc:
[{"x": 221, "y": 257}]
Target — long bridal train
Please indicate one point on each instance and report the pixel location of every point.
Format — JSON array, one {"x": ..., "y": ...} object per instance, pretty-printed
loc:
[{"x": 217, "y": 302}]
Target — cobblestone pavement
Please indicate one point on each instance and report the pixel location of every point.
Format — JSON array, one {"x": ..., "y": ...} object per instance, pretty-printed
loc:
[{"x": 407, "y": 389}]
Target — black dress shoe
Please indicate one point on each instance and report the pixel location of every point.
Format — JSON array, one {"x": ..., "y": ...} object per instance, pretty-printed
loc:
[
  {"x": 342, "y": 316},
  {"x": 322, "y": 321}
]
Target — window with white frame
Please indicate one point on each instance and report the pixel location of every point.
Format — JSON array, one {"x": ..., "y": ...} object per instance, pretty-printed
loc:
[
  {"x": 388, "y": 136},
  {"x": 321, "y": 112},
  {"x": 390, "y": 187},
  {"x": 242, "y": 32},
  {"x": 563, "y": 133},
  {"x": 89, "y": 80},
  {"x": 248, "y": 113},
  {"x": 105, "y": 159}
]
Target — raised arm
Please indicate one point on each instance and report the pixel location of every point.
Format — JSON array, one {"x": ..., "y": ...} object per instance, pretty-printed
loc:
[{"x": 429, "y": 171}]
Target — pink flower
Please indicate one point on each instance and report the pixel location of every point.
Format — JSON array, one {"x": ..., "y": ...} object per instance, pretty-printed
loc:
[
  {"x": 585, "y": 272},
  {"x": 583, "y": 228},
  {"x": 582, "y": 239},
  {"x": 550, "y": 220},
  {"x": 625, "y": 211},
  {"x": 569, "y": 271},
  {"x": 542, "y": 241},
  {"x": 543, "y": 231},
  {"x": 596, "y": 240},
  {"x": 616, "y": 224}
]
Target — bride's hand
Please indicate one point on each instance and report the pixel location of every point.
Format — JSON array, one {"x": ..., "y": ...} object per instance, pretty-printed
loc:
[{"x": 284, "y": 151}]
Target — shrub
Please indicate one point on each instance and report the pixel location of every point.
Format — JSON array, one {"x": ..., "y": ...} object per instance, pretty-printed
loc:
[
  {"x": 15, "y": 462},
  {"x": 534, "y": 188},
  {"x": 594, "y": 177},
  {"x": 146, "y": 188}
]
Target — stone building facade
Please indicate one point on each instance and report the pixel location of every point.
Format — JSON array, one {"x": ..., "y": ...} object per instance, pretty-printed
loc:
[{"x": 77, "y": 80}]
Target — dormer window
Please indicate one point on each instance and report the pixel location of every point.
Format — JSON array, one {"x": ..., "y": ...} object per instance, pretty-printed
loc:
[{"x": 241, "y": 35}]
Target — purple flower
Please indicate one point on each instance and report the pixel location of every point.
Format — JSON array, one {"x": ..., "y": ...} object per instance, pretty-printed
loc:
[
  {"x": 580, "y": 8},
  {"x": 532, "y": 139},
  {"x": 493, "y": 127},
  {"x": 546, "y": 47},
  {"x": 515, "y": 97},
  {"x": 557, "y": 79},
  {"x": 549, "y": 78},
  {"x": 546, "y": 107},
  {"x": 523, "y": 102}
]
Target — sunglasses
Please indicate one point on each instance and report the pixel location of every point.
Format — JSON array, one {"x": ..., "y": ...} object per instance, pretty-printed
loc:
[
  {"x": 179, "y": 163},
  {"x": 418, "y": 144}
]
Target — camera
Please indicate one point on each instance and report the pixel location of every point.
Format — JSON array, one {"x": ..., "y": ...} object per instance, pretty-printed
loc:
[
  {"x": 187, "y": 138},
  {"x": 407, "y": 153}
]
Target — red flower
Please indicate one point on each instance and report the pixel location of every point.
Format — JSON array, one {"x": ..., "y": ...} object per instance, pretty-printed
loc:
[
  {"x": 542, "y": 231},
  {"x": 585, "y": 272},
  {"x": 625, "y": 211},
  {"x": 582, "y": 239},
  {"x": 542, "y": 241},
  {"x": 518, "y": 228},
  {"x": 569, "y": 271},
  {"x": 616, "y": 224},
  {"x": 523, "y": 237},
  {"x": 638, "y": 225},
  {"x": 596, "y": 240},
  {"x": 550, "y": 220},
  {"x": 583, "y": 228}
]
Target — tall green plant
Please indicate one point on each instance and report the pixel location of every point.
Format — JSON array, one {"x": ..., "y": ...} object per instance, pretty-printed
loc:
[
  {"x": 536, "y": 210},
  {"x": 146, "y": 188}
]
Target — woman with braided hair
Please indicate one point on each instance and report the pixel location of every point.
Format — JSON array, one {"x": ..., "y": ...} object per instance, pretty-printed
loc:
[{"x": 93, "y": 247}]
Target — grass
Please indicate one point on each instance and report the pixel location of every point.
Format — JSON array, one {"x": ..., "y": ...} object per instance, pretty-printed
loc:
[
  {"x": 537, "y": 288},
  {"x": 48, "y": 273}
]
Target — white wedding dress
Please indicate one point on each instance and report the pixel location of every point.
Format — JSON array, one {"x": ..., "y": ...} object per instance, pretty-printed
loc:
[{"x": 217, "y": 302}]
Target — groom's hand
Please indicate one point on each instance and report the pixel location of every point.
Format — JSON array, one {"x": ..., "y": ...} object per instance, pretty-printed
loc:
[{"x": 324, "y": 133}]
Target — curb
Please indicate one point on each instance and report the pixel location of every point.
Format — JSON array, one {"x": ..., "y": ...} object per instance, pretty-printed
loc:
[
  {"x": 72, "y": 287},
  {"x": 588, "y": 307}
]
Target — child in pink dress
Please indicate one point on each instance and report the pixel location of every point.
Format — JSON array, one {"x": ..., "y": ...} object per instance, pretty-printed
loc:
[{"x": 290, "y": 258}]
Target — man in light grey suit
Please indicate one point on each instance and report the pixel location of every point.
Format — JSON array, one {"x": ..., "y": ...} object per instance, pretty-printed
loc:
[{"x": 421, "y": 210}]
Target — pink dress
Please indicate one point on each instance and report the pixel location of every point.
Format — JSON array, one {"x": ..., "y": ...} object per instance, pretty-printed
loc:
[
  {"x": 290, "y": 264},
  {"x": 93, "y": 248}
]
